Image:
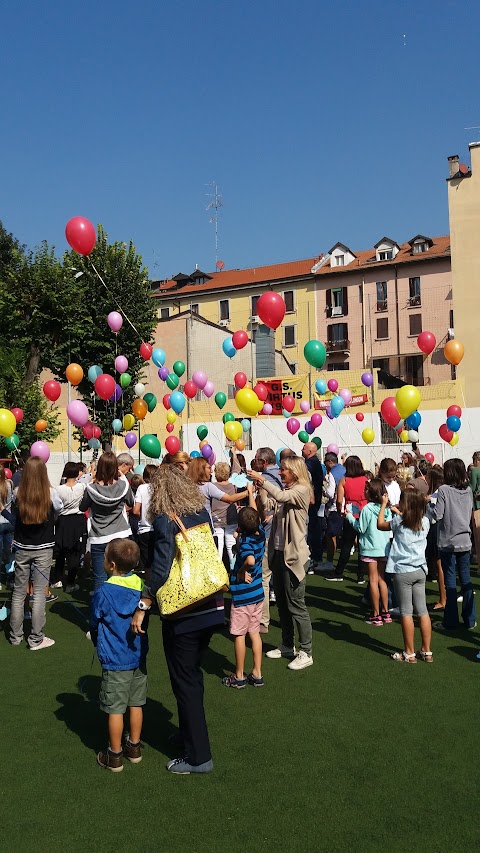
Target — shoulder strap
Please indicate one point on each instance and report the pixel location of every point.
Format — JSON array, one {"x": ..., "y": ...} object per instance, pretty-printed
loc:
[{"x": 180, "y": 524}]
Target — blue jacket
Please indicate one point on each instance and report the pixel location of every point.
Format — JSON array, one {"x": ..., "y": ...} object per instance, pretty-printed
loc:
[{"x": 113, "y": 606}]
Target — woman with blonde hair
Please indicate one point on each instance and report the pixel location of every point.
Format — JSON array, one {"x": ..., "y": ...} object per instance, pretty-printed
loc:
[
  {"x": 34, "y": 540},
  {"x": 200, "y": 472},
  {"x": 186, "y": 636},
  {"x": 179, "y": 458},
  {"x": 287, "y": 555}
]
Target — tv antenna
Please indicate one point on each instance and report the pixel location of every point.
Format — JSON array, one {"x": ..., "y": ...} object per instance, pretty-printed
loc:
[{"x": 214, "y": 205}]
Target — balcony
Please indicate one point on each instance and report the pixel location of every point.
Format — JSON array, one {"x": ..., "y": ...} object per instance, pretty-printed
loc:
[
  {"x": 337, "y": 346},
  {"x": 382, "y": 305},
  {"x": 414, "y": 301}
]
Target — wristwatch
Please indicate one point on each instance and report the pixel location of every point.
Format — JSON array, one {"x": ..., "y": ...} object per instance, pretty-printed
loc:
[{"x": 142, "y": 606}]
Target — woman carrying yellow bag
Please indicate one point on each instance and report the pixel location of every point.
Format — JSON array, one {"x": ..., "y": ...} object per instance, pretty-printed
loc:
[{"x": 186, "y": 635}]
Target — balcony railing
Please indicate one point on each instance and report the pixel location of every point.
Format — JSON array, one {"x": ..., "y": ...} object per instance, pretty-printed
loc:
[
  {"x": 338, "y": 346},
  {"x": 414, "y": 301}
]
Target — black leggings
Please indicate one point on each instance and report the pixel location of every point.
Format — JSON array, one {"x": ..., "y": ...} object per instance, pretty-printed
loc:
[{"x": 349, "y": 535}]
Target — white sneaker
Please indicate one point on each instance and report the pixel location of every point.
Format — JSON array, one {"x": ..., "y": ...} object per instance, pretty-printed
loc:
[
  {"x": 281, "y": 652},
  {"x": 57, "y": 585},
  {"x": 460, "y": 598},
  {"x": 45, "y": 644},
  {"x": 88, "y": 635},
  {"x": 301, "y": 661}
]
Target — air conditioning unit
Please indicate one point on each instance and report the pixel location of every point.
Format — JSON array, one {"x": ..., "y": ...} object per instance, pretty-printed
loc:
[
  {"x": 223, "y": 322},
  {"x": 337, "y": 311}
]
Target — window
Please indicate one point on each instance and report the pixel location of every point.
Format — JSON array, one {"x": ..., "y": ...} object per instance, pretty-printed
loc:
[
  {"x": 360, "y": 294},
  {"x": 382, "y": 301},
  {"x": 338, "y": 333},
  {"x": 164, "y": 313},
  {"x": 386, "y": 255},
  {"x": 340, "y": 260},
  {"x": 420, "y": 247},
  {"x": 338, "y": 365},
  {"x": 224, "y": 309},
  {"x": 414, "y": 370},
  {"x": 289, "y": 298},
  {"x": 289, "y": 336},
  {"x": 231, "y": 392},
  {"x": 195, "y": 308},
  {"x": 382, "y": 328},
  {"x": 337, "y": 302},
  {"x": 415, "y": 324},
  {"x": 254, "y": 303},
  {"x": 414, "y": 290},
  {"x": 450, "y": 319}
]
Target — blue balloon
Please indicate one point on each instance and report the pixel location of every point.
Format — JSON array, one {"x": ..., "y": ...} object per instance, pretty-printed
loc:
[
  {"x": 337, "y": 404},
  {"x": 159, "y": 357},
  {"x": 414, "y": 420},
  {"x": 286, "y": 414},
  {"x": 117, "y": 425},
  {"x": 94, "y": 444},
  {"x": 320, "y": 386},
  {"x": 139, "y": 469},
  {"x": 195, "y": 454},
  {"x": 94, "y": 372},
  {"x": 453, "y": 423},
  {"x": 177, "y": 402},
  {"x": 245, "y": 423},
  {"x": 309, "y": 428},
  {"x": 277, "y": 455},
  {"x": 228, "y": 347},
  {"x": 329, "y": 413}
]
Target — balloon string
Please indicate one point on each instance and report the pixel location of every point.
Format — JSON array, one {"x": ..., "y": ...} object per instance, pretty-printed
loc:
[{"x": 115, "y": 300}]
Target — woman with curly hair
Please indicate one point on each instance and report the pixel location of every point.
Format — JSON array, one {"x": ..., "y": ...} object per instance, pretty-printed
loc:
[{"x": 186, "y": 636}]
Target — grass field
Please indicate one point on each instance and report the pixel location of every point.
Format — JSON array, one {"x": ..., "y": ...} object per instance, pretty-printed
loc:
[{"x": 356, "y": 753}]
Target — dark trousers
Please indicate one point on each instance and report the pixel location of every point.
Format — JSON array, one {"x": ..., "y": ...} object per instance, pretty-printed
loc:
[
  {"x": 453, "y": 562},
  {"x": 349, "y": 535},
  {"x": 71, "y": 558},
  {"x": 183, "y": 653},
  {"x": 315, "y": 534}
]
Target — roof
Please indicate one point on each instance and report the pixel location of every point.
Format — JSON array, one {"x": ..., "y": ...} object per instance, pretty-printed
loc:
[
  {"x": 387, "y": 240},
  {"x": 291, "y": 271},
  {"x": 340, "y": 246}
]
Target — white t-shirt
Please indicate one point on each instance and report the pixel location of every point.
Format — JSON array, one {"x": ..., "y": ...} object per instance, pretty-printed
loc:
[
  {"x": 71, "y": 497},
  {"x": 142, "y": 497},
  {"x": 394, "y": 492}
]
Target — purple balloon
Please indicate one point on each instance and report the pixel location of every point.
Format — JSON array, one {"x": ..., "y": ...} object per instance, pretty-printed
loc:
[
  {"x": 309, "y": 428},
  {"x": 267, "y": 409},
  {"x": 212, "y": 459},
  {"x": 163, "y": 373},
  {"x": 305, "y": 406},
  {"x": 130, "y": 439},
  {"x": 332, "y": 448},
  {"x": 116, "y": 394},
  {"x": 121, "y": 364},
  {"x": 77, "y": 413},
  {"x": 346, "y": 395},
  {"x": 207, "y": 451},
  {"x": 41, "y": 449},
  {"x": 367, "y": 379},
  {"x": 200, "y": 379},
  {"x": 115, "y": 321},
  {"x": 330, "y": 416}
]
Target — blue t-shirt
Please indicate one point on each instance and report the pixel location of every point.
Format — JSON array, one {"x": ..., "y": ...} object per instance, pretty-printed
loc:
[
  {"x": 251, "y": 545},
  {"x": 407, "y": 551}
]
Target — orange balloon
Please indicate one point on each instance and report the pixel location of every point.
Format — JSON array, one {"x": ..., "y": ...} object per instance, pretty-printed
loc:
[
  {"x": 40, "y": 425},
  {"x": 454, "y": 351},
  {"x": 139, "y": 409},
  {"x": 240, "y": 444},
  {"x": 203, "y": 443},
  {"x": 74, "y": 373}
]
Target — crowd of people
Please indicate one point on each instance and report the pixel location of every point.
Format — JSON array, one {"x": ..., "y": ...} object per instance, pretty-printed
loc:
[{"x": 405, "y": 521}]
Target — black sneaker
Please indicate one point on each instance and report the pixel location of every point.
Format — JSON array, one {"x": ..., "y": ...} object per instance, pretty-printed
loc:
[
  {"x": 111, "y": 760},
  {"x": 255, "y": 682}
]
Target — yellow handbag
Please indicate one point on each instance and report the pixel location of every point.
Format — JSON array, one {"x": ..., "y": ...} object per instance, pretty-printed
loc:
[{"x": 197, "y": 571}]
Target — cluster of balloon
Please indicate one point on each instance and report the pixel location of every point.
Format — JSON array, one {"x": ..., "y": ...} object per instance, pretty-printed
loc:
[
  {"x": 206, "y": 450},
  {"x": 81, "y": 235},
  {"x": 232, "y": 344},
  {"x": 449, "y": 430}
]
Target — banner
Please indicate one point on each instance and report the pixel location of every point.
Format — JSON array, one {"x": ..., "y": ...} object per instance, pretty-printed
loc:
[{"x": 293, "y": 386}]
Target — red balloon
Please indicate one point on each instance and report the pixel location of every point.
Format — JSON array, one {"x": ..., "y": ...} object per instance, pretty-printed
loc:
[
  {"x": 288, "y": 403},
  {"x": 52, "y": 390},
  {"x": 8, "y": 473},
  {"x": 390, "y": 412},
  {"x": 445, "y": 433},
  {"x": 172, "y": 444},
  {"x": 104, "y": 386},
  {"x": 81, "y": 235},
  {"x": 261, "y": 391},
  {"x": 359, "y": 416},
  {"x": 427, "y": 342},
  {"x": 240, "y": 339},
  {"x": 96, "y": 432},
  {"x": 170, "y": 427},
  {"x": 87, "y": 431},
  {"x": 271, "y": 309},
  {"x": 240, "y": 379},
  {"x": 430, "y": 458},
  {"x": 166, "y": 401},
  {"x": 452, "y": 410},
  {"x": 17, "y": 414},
  {"x": 190, "y": 389},
  {"x": 146, "y": 351}
]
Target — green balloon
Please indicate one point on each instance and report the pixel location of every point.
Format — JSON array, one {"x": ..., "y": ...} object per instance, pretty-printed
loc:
[
  {"x": 315, "y": 353},
  {"x": 228, "y": 417},
  {"x": 12, "y": 441},
  {"x": 220, "y": 399},
  {"x": 125, "y": 380},
  {"x": 150, "y": 400},
  {"x": 150, "y": 446},
  {"x": 303, "y": 436},
  {"x": 179, "y": 368},
  {"x": 317, "y": 441},
  {"x": 202, "y": 431},
  {"x": 172, "y": 381}
]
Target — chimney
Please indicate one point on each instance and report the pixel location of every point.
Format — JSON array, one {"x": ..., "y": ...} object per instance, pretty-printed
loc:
[{"x": 453, "y": 165}]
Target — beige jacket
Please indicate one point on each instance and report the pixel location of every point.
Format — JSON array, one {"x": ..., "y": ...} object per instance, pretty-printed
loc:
[{"x": 295, "y": 502}]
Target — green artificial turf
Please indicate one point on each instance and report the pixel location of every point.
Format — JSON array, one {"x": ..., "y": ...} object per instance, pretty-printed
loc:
[{"x": 356, "y": 753}]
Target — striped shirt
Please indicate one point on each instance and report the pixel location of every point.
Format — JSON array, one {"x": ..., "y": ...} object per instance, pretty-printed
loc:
[{"x": 248, "y": 545}]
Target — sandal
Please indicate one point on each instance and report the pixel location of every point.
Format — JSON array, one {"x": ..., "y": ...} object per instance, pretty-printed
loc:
[
  {"x": 232, "y": 681},
  {"x": 427, "y": 657},
  {"x": 403, "y": 657}
]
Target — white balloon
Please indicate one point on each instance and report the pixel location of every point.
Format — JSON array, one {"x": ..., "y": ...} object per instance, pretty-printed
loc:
[
  {"x": 139, "y": 389},
  {"x": 412, "y": 435}
]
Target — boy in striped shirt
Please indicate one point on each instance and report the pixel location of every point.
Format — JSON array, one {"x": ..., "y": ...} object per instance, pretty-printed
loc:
[{"x": 247, "y": 596}]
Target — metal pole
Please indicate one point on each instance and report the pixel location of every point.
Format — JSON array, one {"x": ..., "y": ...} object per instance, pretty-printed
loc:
[
  {"x": 371, "y": 348},
  {"x": 309, "y": 369}
]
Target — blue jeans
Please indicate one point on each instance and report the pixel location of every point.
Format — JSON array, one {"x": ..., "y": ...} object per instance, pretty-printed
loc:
[
  {"x": 451, "y": 563},
  {"x": 98, "y": 557}
]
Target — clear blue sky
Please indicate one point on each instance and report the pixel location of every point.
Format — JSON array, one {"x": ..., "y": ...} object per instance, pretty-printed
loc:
[{"x": 315, "y": 119}]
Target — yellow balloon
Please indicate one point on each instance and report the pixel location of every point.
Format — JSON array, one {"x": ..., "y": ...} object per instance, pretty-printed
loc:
[
  {"x": 407, "y": 400},
  {"x": 7, "y": 423},
  {"x": 233, "y": 430},
  {"x": 453, "y": 441},
  {"x": 368, "y": 435},
  {"x": 404, "y": 435},
  {"x": 171, "y": 416},
  {"x": 248, "y": 402},
  {"x": 128, "y": 422}
]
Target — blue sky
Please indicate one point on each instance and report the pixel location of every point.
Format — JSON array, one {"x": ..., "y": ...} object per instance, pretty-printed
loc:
[{"x": 315, "y": 119}]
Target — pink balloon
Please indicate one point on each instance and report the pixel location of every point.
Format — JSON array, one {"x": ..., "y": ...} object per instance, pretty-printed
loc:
[
  {"x": 115, "y": 321},
  {"x": 346, "y": 395},
  {"x": 267, "y": 409},
  {"x": 41, "y": 449},
  {"x": 200, "y": 379},
  {"x": 121, "y": 364},
  {"x": 332, "y": 385},
  {"x": 332, "y": 448},
  {"x": 316, "y": 419},
  {"x": 208, "y": 389},
  {"x": 77, "y": 413},
  {"x": 305, "y": 406},
  {"x": 130, "y": 440},
  {"x": 212, "y": 459},
  {"x": 293, "y": 425}
]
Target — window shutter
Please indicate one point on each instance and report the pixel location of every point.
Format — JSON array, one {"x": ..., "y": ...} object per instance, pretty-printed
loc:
[
  {"x": 345, "y": 300},
  {"x": 329, "y": 299}
]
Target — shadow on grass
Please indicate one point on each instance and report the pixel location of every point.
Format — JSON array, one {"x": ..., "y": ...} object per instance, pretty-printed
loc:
[
  {"x": 467, "y": 652},
  {"x": 77, "y": 614},
  {"x": 342, "y": 631}
]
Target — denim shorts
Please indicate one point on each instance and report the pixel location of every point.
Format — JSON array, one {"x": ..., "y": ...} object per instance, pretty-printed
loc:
[{"x": 122, "y": 689}]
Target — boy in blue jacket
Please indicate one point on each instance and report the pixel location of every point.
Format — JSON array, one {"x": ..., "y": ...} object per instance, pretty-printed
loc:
[{"x": 121, "y": 652}]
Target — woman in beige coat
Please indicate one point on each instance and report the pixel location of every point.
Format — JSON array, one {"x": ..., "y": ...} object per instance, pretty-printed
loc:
[{"x": 287, "y": 555}]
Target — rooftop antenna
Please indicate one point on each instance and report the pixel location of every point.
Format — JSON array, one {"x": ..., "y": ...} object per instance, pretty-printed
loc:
[{"x": 215, "y": 204}]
